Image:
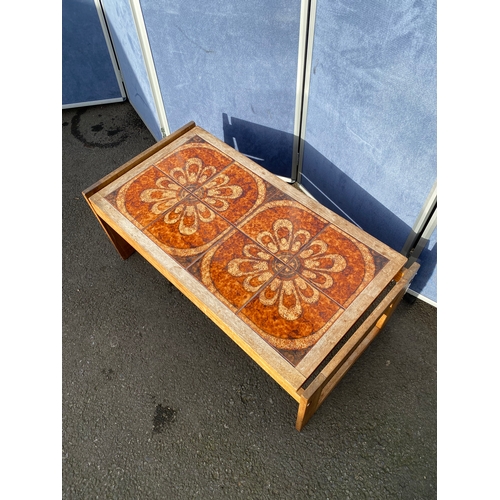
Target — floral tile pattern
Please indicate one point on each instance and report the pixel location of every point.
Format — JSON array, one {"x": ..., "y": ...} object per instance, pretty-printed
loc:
[
  {"x": 234, "y": 192},
  {"x": 234, "y": 280},
  {"x": 191, "y": 165},
  {"x": 337, "y": 264},
  {"x": 283, "y": 226},
  {"x": 290, "y": 317},
  {"x": 281, "y": 268},
  {"x": 187, "y": 229},
  {"x": 147, "y": 196}
]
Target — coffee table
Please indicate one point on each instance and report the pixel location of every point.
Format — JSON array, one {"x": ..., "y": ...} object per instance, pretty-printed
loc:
[{"x": 300, "y": 289}]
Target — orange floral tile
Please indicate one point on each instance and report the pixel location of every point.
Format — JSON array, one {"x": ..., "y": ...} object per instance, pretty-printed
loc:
[
  {"x": 234, "y": 269},
  {"x": 192, "y": 164},
  {"x": 283, "y": 227},
  {"x": 144, "y": 198},
  {"x": 337, "y": 264},
  {"x": 235, "y": 192},
  {"x": 289, "y": 313},
  {"x": 187, "y": 229}
]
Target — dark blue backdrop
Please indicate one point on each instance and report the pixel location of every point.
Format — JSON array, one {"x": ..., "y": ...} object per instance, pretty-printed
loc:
[{"x": 87, "y": 69}]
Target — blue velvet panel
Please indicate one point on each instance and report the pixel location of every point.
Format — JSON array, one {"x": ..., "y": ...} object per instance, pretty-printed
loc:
[
  {"x": 128, "y": 52},
  {"x": 232, "y": 68},
  {"x": 370, "y": 149},
  {"x": 87, "y": 70},
  {"x": 425, "y": 282}
]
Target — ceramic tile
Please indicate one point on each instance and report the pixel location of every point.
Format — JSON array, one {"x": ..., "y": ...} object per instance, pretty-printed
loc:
[
  {"x": 289, "y": 313},
  {"x": 144, "y": 198},
  {"x": 337, "y": 264},
  {"x": 187, "y": 229},
  {"x": 379, "y": 260},
  {"x": 235, "y": 192},
  {"x": 192, "y": 164},
  {"x": 283, "y": 227},
  {"x": 294, "y": 357},
  {"x": 234, "y": 269}
]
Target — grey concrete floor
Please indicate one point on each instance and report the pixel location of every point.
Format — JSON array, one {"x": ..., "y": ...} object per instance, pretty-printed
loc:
[{"x": 158, "y": 403}]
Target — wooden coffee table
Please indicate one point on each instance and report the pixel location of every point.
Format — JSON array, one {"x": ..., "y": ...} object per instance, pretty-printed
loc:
[{"x": 297, "y": 287}]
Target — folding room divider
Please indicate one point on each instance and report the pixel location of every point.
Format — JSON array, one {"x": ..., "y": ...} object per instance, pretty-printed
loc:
[{"x": 340, "y": 100}]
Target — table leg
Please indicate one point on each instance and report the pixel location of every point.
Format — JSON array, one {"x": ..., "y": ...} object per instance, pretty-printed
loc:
[
  {"x": 319, "y": 389},
  {"x": 123, "y": 248}
]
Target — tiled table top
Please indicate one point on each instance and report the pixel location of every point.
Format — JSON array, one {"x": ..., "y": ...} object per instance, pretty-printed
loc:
[{"x": 293, "y": 275}]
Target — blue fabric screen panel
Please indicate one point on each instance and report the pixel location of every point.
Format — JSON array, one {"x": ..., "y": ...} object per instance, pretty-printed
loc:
[
  {"x": 232, "y": 68},
  {"x": 128, "y": 52},
  {"x": 88, "y": 74},
  {"x": 370, "y": 151}
]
